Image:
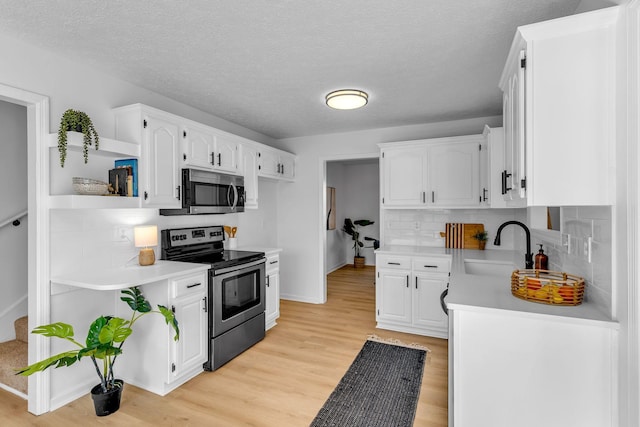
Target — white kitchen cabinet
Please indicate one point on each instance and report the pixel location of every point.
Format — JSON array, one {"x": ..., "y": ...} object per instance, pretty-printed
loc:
[
  {"x": 206, "y": 148},
  {"x": 249, "y": 155},
  {"x": 434, "y": 173},
  {"x": 168, "y": 363},
  {"x": 272, "y": 310},
  {"x": 276, "y": 164},
  {"x": 158, "y": 134},
  {"x": 404, "y": 176},
  {"x": 492, "y": 190},
  {"x": 408, "y": 294},
  {"x": 190, "y": 306},
  {"x": 520, "y": 369},
  {"x": 559, "y": 112},
  {"x": 454, "y": 173},
  {"x": 393, "y": 296}
]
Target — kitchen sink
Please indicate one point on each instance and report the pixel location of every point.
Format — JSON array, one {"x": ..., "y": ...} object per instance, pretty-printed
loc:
[{"x": 488, "y": 268}]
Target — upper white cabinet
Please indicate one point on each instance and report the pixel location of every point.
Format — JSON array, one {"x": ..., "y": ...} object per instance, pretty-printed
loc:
[
  {"x": 249, "y": 156},
  {"x": 276, "y": 164},
  {"x": 158, "y": 134},
  {"x": 207, "y": 149},
  {"x": 454, "y": 173},
  {"x": 492, "y": 167},
  {"x": 434, "y": 173},
  {"x": 559, "y": 112}
]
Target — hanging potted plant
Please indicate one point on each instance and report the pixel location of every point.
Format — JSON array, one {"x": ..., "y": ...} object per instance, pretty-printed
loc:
[
  {"x": 77, "y": 121},
  {"x": 351, "y": 228},
  {"x": 104, "y": 342}
]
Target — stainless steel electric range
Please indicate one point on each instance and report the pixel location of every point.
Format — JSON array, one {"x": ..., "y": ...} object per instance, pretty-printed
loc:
[{"x": 236, "y": 289}]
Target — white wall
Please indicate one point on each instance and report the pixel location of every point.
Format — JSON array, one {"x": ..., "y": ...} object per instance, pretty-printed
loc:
[
  {"x": 302, "y": 270},
  {"x": 13, "y": 193}
]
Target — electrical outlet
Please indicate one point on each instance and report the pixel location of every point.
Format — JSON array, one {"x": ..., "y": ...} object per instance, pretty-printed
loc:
[{"x": 124, "y": 233}]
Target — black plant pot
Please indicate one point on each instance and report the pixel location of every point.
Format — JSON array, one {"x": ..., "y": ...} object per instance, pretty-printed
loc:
[{"x": 109, "y": 402}]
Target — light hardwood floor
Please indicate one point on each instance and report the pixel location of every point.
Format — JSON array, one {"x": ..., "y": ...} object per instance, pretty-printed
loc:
[{"x": 282, "y": 381}]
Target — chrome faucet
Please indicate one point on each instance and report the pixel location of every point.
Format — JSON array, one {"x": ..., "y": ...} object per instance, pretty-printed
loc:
[{"x": 528, "y": 257}]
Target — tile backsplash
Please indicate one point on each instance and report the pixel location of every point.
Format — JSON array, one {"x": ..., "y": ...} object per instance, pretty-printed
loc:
[
  {"x": 582, "y": 227},
  {"x": 422, "y": 227}
]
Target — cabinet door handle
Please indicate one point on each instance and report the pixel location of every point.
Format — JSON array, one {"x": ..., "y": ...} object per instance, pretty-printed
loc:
[
  {"x": 213, "y": 158},
  {"x": 282, "y": 168},
  {"x": 431, "y": 266},
  {"x": 393, "y": 263},
  {"x": 267, "y": 281},
  {"x": 416, "y": 283},
  {"x": 273, "y": 262},
  {"x": 424, "y": 197},
  {"x": 484, "y": 194},
  {"x": 204, "y": 305},
  {"x": 219, "y": 159},
  {"x": 193, "y": 285},
  {"x": 178, "y": 191},
  {"x": 433, "y": 197},
  {"x": 407, "y": 280}
]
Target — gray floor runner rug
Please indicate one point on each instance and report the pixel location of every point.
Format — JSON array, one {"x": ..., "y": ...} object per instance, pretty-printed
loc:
[{"x": 380, "y": 389}]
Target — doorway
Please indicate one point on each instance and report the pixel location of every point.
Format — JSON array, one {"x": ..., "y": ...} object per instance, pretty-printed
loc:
[
  {"x": 37, "y": 223},
  {"x": 13, "y": 245},
  {"x": 355, "y": 183}
]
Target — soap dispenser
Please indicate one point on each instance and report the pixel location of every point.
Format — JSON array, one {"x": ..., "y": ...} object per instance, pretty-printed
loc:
[{"x": 541, "y": 261}]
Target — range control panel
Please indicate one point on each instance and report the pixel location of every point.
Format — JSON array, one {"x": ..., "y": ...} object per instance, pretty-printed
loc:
[{"x": 190, "y": 236}]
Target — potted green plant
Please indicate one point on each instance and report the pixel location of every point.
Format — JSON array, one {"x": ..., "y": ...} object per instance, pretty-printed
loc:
[
  {"x": 481, "y": 237},
  {"x": 351, "y": 228},
  {"x": 104, "y": 342},
  {"x": 78, "y": 121}
]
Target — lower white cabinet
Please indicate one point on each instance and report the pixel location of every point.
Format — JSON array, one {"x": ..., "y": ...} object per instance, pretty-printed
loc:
[
  {"x": 408, "y": 294},
  {"x": 272, "y": 311},
  {"x": 508, "y": 369},
  {"x": 167, "y": 364}
]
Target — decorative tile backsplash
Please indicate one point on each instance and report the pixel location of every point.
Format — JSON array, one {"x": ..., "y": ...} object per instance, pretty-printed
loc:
[
  {"x": 584, "y": 229},
  {"x": 422, "y": 227}
]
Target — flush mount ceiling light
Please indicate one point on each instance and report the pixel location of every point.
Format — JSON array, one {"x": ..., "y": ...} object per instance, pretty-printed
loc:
[{"x": 347, "y": 99}]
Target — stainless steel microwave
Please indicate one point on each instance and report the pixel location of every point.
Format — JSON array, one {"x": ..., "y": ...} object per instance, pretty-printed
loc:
[{"x": 205, "y": 192}]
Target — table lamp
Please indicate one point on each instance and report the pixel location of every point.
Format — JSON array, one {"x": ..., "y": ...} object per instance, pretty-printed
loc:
[{"x": 145, "y": 236}]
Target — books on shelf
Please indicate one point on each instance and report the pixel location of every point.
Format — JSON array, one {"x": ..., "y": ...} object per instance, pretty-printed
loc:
[{"x": 131, "y": 165}]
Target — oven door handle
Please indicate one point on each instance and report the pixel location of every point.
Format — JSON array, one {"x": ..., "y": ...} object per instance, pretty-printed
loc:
[{"x": 238, "y": 267}]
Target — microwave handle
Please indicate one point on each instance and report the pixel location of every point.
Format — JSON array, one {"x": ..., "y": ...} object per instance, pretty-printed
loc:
[{"x": 235, "y": 196}]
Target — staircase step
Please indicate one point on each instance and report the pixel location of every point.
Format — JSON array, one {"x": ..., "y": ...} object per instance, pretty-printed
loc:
[
  {"x": 22, "y": 329},
  {"x": 13, "y": 355}
]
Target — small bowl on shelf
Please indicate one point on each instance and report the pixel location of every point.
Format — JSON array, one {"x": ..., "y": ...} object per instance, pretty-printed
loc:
[{"x": 87, "y": 186}]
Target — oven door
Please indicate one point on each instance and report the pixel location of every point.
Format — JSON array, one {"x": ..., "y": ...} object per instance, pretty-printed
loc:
[
  {"x": 236, "y": 294},
  {"x": 211, "y": 192}
]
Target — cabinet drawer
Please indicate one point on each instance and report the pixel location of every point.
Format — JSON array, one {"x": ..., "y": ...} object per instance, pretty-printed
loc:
[
  {"x": 431, "y": 265},
  {"x": 391, "y": 261},
  {"x": 189, "y": 285},
  {"x": 273, "y": 263}
]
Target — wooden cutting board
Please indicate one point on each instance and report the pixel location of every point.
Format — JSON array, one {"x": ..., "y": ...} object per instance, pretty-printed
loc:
[{"x": 460, "y": 235}]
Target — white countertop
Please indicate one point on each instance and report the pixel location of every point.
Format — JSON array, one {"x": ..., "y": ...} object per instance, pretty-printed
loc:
[
  {"x": 493, "y": 293},
  {"x": 268, "y": 251},
  {"x": 124, "y": 277}
]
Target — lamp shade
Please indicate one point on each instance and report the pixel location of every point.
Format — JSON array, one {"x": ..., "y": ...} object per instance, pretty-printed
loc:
[{"x": 145, "y": 236}]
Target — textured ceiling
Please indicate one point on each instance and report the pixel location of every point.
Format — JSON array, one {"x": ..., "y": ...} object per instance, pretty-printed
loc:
[{"x": 267, "y": 65}]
